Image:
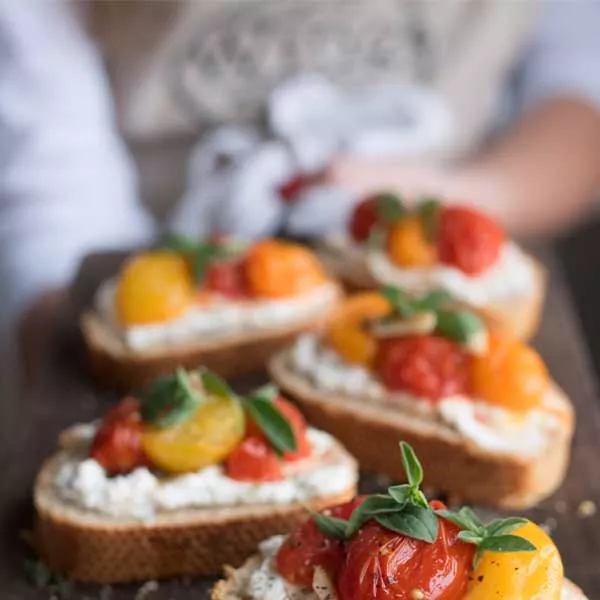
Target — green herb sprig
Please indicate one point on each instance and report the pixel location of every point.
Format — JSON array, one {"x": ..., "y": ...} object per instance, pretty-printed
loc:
[
  {"x": 496, "y": 536},
  {"x": 404, "y": 509}
]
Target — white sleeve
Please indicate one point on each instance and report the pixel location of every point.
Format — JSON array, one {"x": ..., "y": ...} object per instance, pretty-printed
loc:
[
  {"x": 67, "y": 185},
  {"x": 564, "y": 55}
]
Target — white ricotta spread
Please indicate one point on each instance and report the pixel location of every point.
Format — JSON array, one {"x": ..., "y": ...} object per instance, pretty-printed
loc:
[
  {"x": 489, "y": 427},
  {"x": 141, "y": 494},
  {"x": 220, "y": 317},
  {"x": 512, "y": 275}
]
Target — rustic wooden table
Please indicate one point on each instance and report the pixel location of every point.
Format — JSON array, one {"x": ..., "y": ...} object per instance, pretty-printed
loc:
[{"x": 61, "y": 395}]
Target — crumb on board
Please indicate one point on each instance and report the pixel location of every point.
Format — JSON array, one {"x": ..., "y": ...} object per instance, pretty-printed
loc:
[
  {"x": 560, "y": 506},
  {"x": 148, "y": 588},
  {"x": 587, "y": 508}
]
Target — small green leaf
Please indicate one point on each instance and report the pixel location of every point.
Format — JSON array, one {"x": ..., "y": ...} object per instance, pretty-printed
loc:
[
  {"x": 401, "y": 493},
  {"x": 179, "y": 243},
  {"x": 272, "y": 423},
  {"x": 413, "y": 521},
  {"x": 332, "y": 527},
  {"x": 372, "y": 505},
  {"x": 460, "y": 326},
  {"x": 269, "y": 391},
  {"x": 433, "y": 301},
  {"x": 470, "y": 537},
  {"x": 389, "y": 208},
  {"x": 213, "y": 384},
  {"x": 419, "y": 499},
  {"x": 465, "y": 518},
  {"x": 412, "y": 466},
  {"x": 504, "y": 526},
  {"x": 399, "y": 300},
  {"x": 429, "y": 212},
  {"x": 507, "y": 543}
]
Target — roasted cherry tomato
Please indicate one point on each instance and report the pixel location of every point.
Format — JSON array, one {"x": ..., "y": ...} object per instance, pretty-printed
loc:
[
  {"x": 291, "y": 189},
  {"x": 408, "y": 246},
  {"x": 363, "y": 218},
  {"x": 298, "y": 423},
  {"x": 519, "y": 575},
  {"x": 278, "y": 269},
  {"x": 117, "y": 445},
  {"x": 468, "y": 240},
  {"x": 228, "y": 278},
  {"x": 510, "y": 374},
  {"x": 348, "y": 334},
  {"x": 154, "y": 287},
  {"x": 426, "y": 366},
  {"x": 254, "y": 460},
  {"x": 306, "y": 547},
  {"x": 383, "y": 565}
]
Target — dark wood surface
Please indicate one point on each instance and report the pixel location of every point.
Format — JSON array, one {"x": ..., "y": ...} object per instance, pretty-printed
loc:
[{"x": 61, "y": 395}]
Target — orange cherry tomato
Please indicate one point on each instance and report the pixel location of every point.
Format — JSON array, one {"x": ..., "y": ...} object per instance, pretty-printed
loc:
[
  {"x": 363, "y": 219},
  {"x": 277, "y": 269},
  {"x": 254, "y": 460},
  {"x": 306, "y": 547},
  {"x": 154, "y": 287},
  {"x": 347, "y": 333},
  {"x": 469, "y": 240},
  {"x": 510, "y": 374},
  {"x": 117, "y": 445},
  {"x": 383, "y": 565},
  {"x": 427, "y": 366},
  {"x": 408, "y": 246}
]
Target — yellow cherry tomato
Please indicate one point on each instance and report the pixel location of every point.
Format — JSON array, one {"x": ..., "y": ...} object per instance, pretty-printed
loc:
[
  {"x": 519, "y": 575},
  {"x": 510, "y": 374},
  {"x": 347, "y": 333},
  {"x": 207, "y": 438},
  {"x": 154, "y": 287},
  {"x": 408, "y": 246},
  {"x": 277, "y": 269}
]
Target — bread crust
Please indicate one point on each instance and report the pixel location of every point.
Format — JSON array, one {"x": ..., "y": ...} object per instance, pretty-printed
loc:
[
  {"x": 516, "y": 316},
  {"x": 115, "y": 365},
  {"x": 453, "y": 465},
  {"x": 91, "y": 547}
]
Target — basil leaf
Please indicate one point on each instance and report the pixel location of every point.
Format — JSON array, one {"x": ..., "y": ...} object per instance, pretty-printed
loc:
[
  {"x": 401, "y": 493},
  {"x": 213, "y": 384},
  {"x": 399, "y": 300},
  {"x": 332, "y": 527},
  {"x": 475, "y": 523},
  {"x": 389, "y": 208},
  {"x": 269, "y": 391},
  {"x": 433, "y": 301},
  {"x": 429, "y": 211},
  {"x": 272, "y": 423},
  {"x": 460, "y": 325},
  {"x": 470, "y": 537},
  {"x": 412, "y": 466},
  {"x": 412, "y": 521},
  {"x": 373, "y": 505},
  {"x": 179, "y": 243},
  {"x": 419, "y": 499},
  {"x": 465, "y": 518},
  {"x": 506, "y": 543},
  {"x": 504, "y": 526}
]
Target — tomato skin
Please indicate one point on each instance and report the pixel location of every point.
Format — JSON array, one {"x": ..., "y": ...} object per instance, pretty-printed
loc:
[
  {"x": 469, "y": 240},
  {"x": 117, "y": 445},
  {"x": 254, "y": 460},
  {"x": 306, "y": 547},
  {"x": 228, "y": 278},
  {"x": 426, "y": 366},
  {"x": 363, "y": 219},
  {"x": 383, "y": 565},
  {"x": 292, "y": 188}
]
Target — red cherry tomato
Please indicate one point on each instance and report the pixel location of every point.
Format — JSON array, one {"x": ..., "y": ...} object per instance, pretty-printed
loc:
[
  {"x": 254, "y": 460},
  {"x": 468, "y": 240},
  {"x": 383, "y": 565},
  {"x": 363, "y": 219},
  {"x": 228, "y": 278},
  {"x": 427, "y": 366},
  {"x": 117, "y": 445},
  {"x": 298, "y": 424},
  {"x": 306, "y": 547}
]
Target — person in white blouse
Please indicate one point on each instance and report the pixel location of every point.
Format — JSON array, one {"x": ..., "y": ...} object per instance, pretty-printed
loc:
[{"x": 68, "y": 185}]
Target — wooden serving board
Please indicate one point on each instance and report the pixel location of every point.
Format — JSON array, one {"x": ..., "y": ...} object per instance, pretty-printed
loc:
[{"x": 61, "y": 395}]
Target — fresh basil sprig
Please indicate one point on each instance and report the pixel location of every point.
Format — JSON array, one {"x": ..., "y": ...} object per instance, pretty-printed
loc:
[
  {"x": 459, "y": 325},
  {"x": 170, "y": 400},
  {"x": 496, "y": 536},
  {"x": 389, "y": 208},
  {"x": 429, "y": 212},
  {"x": 404, "y": 509}
]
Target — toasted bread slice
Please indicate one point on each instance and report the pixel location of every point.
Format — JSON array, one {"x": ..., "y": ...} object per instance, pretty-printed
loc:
[
  {"x": 519, "y": 315},
  {"x": 235, "y": 585},
  {"x": 92, "y": 547},
  {"x": 453, "y": 464},
  {"x": 116, "y": 365}
]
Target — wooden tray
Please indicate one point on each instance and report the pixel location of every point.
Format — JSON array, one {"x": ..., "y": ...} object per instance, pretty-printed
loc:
[{"x": 61, "y": 395}]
